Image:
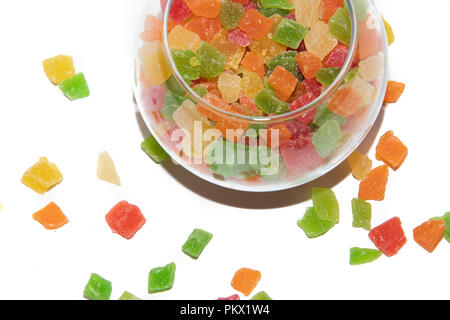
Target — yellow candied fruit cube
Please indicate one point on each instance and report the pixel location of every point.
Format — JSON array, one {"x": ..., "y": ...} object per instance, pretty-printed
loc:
[
  {"x": 154, "y": 65},
  {"x": 233, "y": 52},
  {"x": 371, "y": 68},
  {"x": 267, "y": 48},
  {"x": 389, "y": 32},
  {"x": 229, "y": 84},
  {"x": 318, "y": 40},
  {"x": 59, "y": 68},
  {"x": 106, "y": 170},
  {"x": 42, "y": 176},
  {"x": 360, "y": 164},
  {"x": 183, "y": 39},
  {"x": 251, "y": 83},
  {"x": 307, "y": 12}
]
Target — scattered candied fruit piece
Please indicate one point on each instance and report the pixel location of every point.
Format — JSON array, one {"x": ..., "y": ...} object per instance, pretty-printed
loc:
[
  {"x": 261, "y": 296},
  {"x": 234, "y": 296},
  {"x": 309, "y": 64},
  {"x": 389, "y": 32},
  {"x": 59, "y": 68},
  {"x": 42, "y": 176},
  {"x": 429, "y": 234},
  {"x": 106, "y": 170},
  {"x": 154, "y": 150},
  {"x": 391, "y": 150},
  {"x": 125, "y": 219},
  {"x": 394, "y": 91},
  {"x": 75, "y": 87},
  {"x": 313, "y": 226},
  {"x": 373, "y": 187},
  {"x": 345, "y": 102},
  {"x": 255, "y": 24},
  {"x": 196, "y": 243},
  {"x": 97, "y": 288},
  {"x": 325, "y": 204},
  {"x": 388, "y": 237},
  {"x": 205, "y": 28},
  {"x": 245, "y": 280},
  {"x": 360, "y": 164},
  {"x": 283, "y": 82},
  {"x": 361, "y": 255},
  {"x": 51, "y": 217},
  {"x": 253, "y": 63},
  {"x": 161, "y": 278},
  {"x": 362, "y": 214},
  {"x": 128, "y": 296},
  {"x": 205, "y": 8}
]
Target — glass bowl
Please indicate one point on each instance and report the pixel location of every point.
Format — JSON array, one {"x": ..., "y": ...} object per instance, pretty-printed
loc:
[{"x": 252, "y": 152}]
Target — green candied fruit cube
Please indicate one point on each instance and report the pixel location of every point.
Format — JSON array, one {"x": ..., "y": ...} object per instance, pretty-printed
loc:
[
  {"x": 231, "y": 13},
  {"x": 261, "y": 296},
  {"x": 323, "y": 114},
  {"x": 361, "y": 256},
  {"x": 287, "y": 61},
  {"x": 97, "y": 288},
  {"x": 268, "y": 12},
  {"x": 326, "y": 76},
  {"x": 75, "y": 87},
  {"x": 128, "y": 296},
  {"x": 353, "y": 73},
  {"x": 270, "y": 104},
  {"x": 325, "y": 204},
  {"x": 187, "y": 63},
  {"x": 290, "y": 33},
  {"x": 327, "y": 138},
  {"x": 361, "y": 7},
  {"x": 280, "y": 4},
  {"x": 196, "y": 243},
  {"x": 173, "y": 85},
  {"x": 362, "y": 214},
  {"x": 152, "y": 148},
  {"x": 171, "y": 103},
  {"x": 313, "y": 226},
  {"x": 212, "y": 61},
  {"x": 340, "y": 26},
  {"x": 161, "y": 278}
]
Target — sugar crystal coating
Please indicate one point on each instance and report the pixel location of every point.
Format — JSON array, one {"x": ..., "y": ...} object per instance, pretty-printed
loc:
[
  {"x": 182, "y": 39},
  {"x": 261, "y": 296}
]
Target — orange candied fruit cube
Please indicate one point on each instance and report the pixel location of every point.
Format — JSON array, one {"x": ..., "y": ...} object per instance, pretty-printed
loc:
[
  {"x": 373, "y": 187},
  {"x": 429, "y": 234},
  {"x": 245, "y": 280},
  {"x": 391, "y": 150},
  {"x": 205, "y": 8},
  {"x": 345, "y": 102},
  {"x": 283, "y": 82},
  {"x": 254, "y": 63},
  {"x": 360, "y": 164},
  {"x": 171, "y": 25},
  {"x": 153, "y": 28},
  {"x": 309, "y": 64},
  {"x": 255, "y": 24},
  {"x": 394, "y": 91},
  {"x": 206, "y": 28},
  {"x": 369, "y": 41},
  {"x": 281, "y": 131},
  {"x": 330, "y": 7},
  {"x": 51, "y": 217}
]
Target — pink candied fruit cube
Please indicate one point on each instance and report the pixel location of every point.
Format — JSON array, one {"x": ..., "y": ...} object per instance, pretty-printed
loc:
[
  {"x": 298, "y": 129},
  {"x": 313, "y": 86},
  {"x": 300, "y": 155},
  {"x": 388, "y": 237},
  {"x": 125, "y": 219},
  {"x": 337, "y": 57},
  {"x": 239, "y": 37},
  {"x": 179, "y": 11},
  {"x": 153, "y": 98}
]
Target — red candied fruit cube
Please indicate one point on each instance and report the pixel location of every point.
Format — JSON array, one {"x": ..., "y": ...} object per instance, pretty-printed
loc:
[
  {"x": 300, "y": 155},
  {"x": 125, "y": 219},
  {"x": 330, "y": 7},
  {"x": 240, "y": 38},
  {"x": 337, "y": 57},
  {"x": 302, "y": 46},
  {"x": 388, "y": 237},
  {"x": 298, "y": 129},
  {"x": 309, "y": 116},
  {"x": 179, "y": 11},
  {"x": 312, "y": 86}
]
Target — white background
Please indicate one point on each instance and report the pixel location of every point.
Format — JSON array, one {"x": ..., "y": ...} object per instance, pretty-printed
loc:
[{"x": 258, "y": 231}]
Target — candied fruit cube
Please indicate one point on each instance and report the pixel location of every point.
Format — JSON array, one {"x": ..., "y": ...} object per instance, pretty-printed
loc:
[
  {"x": 362, "y": 214},
  {"x": 290, "y": 33},
  {"x": 187, "y": 63},
  {"x": 154, "y": 150},
  {"x": 239, "y": 38},
  {"x": 299, "y": 155},
  {"x": 153, "y": 98},
  {"x": 391, "y": 150},
  {"x": 309, "y": 64},
  {"x": 326, "y": 76},
  {"x": 245, "y": 280},
  {"x": 361, "y": 7},
  {"x": 75, "y": 87},
  {"x": 253, "y": 63},
  {"x": 327, "y": 138},
  {"x": 42, "y": 176},
  {"x": 280, "y": 4},
  {"x": 161, "y": 278},
  {"x": 287, "y": 61},
  {"x": 155, "y": 68},
  {"x": 345, "y": 102},
  {"x": 337, "y": 57},
  {"x": 153, "y": 28},
  {"x": 388, "y": 237},
  {"x": 179, "y": 11},
  {"x": 323, "y": 114},
  {"x": 51, "y": 217},
  {"x": 251, "y": 84},
  {"x": 313, "y": 226},
  {"x": 340, "y": 26},
  {"x": 330, "y": 7},
  {"x": 394, "y": 91},
  {"x": 307, "y": 12},
  {"x": 364, "y": 89},
  {"x": 318, "y": 41},
  {"x": 205, "y": 8},
  {"x": 234, "y": 296},
  {"x": 229, "y": 85},
  {"x": 106, "y": 170},
  {"x": 369, "y": 41},
  {"x": 182, "y": 39},
  {"x": 283, "y": 82},
  {"x": 371, "y": 68},
  {"x": 196, "y": 243},
  {"x": 360, "y": 256},
  {"x": 205, "y": 28},
  {"x": 270, "y": 104},
  {"x": 233, "y": 52},
  {"x": 276, "y": 18},
  {"x": 325, "y": 204},
  {"x": 261, "y": 296},
  {"x": 212, "y": 61},
  {"x": 128, "y": 296},
  {"x": 373, "y": 187},
  {"x": 255, "y": 24},
  {"x": 302, "y": 101},
  {"x": 267, "y": 48},
  {"x": 360, "y": 164},
  {"x": 429, "y": 234},
  {"x": 59, "y": 68},
  {"x": 97, "y": 288},
  {"x": 125, "y": 219},
  {"x": 231, "y": 13},
  {"x": 389, "y": 32}
]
